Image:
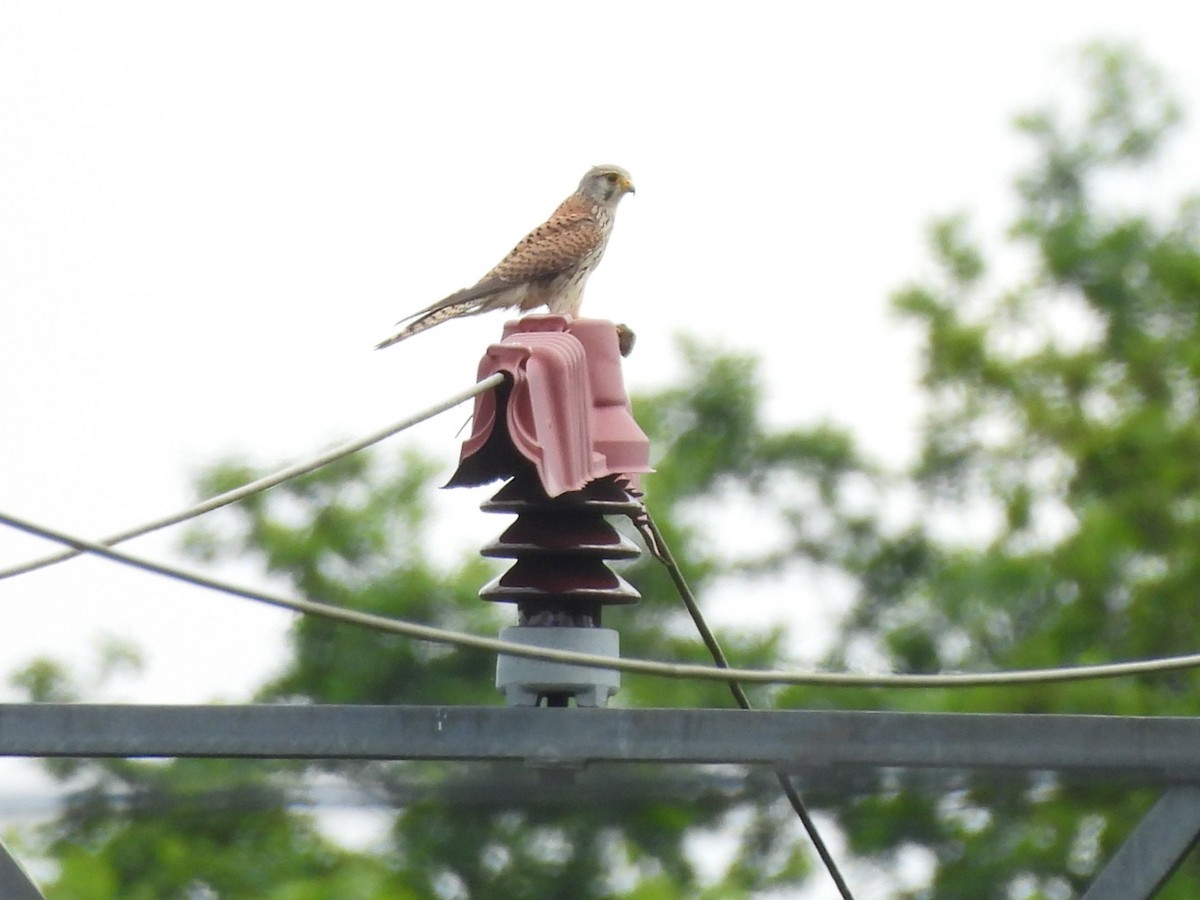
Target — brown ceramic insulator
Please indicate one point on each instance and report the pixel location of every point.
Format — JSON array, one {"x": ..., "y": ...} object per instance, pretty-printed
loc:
[{"x": 560, "y": 547}]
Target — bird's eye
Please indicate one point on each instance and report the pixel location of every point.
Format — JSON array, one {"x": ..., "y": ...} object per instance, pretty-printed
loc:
[{"x": 611, "y": 177}]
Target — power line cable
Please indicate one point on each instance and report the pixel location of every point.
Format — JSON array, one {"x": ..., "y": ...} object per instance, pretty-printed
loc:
[
  {"x": 662, "y": 552},
  {"x": 634, "y": 666},
  {"x": 302, "y": 467}
]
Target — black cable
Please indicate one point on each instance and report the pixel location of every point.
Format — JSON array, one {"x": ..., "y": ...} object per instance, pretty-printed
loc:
[
  {"x": 722, "y": 672},
  {"x": 267, "y": 481},
  {"x": 660, "y": 550}
]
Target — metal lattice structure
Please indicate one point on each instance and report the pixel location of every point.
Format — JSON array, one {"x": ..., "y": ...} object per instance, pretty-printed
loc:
[{"x": 1138, "y": 751}]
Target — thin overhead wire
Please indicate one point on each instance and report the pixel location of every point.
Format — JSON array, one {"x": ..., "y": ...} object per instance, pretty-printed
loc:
[
  {"x": 662, "y": 552},
  {"x": 302, "y": 467},
  {"x": 633, "y": 666}
]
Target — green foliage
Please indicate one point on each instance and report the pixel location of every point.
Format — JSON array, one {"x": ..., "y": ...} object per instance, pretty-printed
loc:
[
  {"x": 1057, "y": 522},
  {"x": 1062, "y": 427},
  {"x": 148, "y": 831}
]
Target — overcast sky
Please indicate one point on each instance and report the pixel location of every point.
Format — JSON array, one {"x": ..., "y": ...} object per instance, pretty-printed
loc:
[{"x": 210, "y": 212}]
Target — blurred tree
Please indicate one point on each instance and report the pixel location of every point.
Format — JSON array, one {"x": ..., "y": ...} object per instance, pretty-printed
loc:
[
  {"x": 358, "y": 533},
  {"x": 1061, "y": 431},
  {"x": 1057, "y": 522}
]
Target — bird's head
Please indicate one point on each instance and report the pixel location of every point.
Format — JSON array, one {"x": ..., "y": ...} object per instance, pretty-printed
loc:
[{"x": 607, "y": 184}]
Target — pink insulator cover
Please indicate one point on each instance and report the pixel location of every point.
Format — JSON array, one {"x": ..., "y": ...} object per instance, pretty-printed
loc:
[{"x": 566, "y": 411}]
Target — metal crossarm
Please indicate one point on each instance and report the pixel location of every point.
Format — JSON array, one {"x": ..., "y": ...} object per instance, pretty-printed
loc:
[
  {"x": 1146, "y": 750},
  {"x": 1159, "y": 749}
]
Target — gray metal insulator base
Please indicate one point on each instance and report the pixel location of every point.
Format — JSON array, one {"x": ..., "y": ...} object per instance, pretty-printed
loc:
[{"x": 524, "y": 681}]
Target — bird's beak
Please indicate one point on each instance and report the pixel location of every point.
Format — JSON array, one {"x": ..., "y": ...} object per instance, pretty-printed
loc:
[{"x": 627, "y": 186}]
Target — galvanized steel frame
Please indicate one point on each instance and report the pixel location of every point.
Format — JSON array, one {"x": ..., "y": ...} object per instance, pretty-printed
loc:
[{"x": 1148, "y": 750}]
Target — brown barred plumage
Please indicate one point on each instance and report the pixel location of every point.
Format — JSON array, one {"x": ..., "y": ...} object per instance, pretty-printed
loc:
[{"x": 549, "y": 267}]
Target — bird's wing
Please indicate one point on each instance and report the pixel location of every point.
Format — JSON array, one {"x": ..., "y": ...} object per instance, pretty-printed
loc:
[{"x": 561, "y": 242}]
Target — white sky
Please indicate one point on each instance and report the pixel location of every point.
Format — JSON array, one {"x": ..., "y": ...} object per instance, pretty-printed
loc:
[{"x": 210, "y": 212}]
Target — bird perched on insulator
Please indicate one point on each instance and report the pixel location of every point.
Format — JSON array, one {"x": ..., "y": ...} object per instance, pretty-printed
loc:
[{"x": 549, "y": 267}]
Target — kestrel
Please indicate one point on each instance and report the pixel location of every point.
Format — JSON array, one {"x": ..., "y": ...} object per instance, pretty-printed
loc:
[{"x": 550, "y": 265}]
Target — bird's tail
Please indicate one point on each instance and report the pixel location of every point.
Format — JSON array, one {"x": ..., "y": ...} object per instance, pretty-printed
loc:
[{"x": 429, "y": 319}]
